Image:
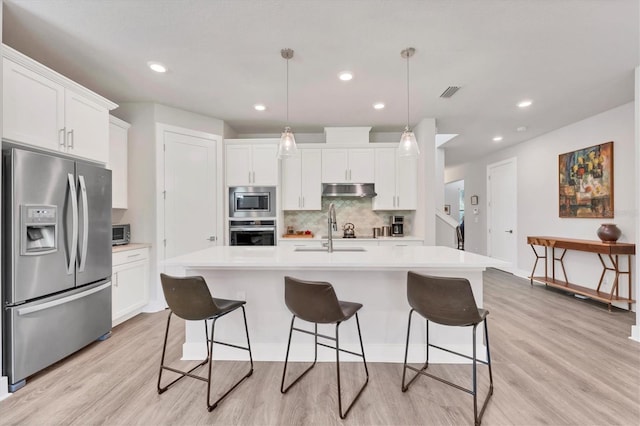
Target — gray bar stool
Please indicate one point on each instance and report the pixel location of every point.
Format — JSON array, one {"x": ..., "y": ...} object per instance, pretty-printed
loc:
[
  {"x": 190, "y": 299},
  {"x": 316, "y": 302},
  {"x": 447, "y": 301}
]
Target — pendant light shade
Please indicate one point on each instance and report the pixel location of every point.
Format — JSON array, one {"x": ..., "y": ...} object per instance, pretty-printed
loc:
[
  {"x": 287, "y": 146},
  {"x": 408, "y": 146}
]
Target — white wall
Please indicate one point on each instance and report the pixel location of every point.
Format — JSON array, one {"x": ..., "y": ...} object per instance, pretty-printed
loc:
[
  {"x": 635, "y": 330},
  {"x": 538, "y": 190},
  {"x": 142, "y": 184},
  {"x": 452, "y": 197}
]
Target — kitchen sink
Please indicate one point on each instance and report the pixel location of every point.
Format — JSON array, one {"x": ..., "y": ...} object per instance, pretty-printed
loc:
[{"x": 320, "y": 249}]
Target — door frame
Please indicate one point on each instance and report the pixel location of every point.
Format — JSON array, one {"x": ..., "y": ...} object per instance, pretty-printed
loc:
[
  {"x": 161, "y": 128},
  {"x": 514, "y": 161}
]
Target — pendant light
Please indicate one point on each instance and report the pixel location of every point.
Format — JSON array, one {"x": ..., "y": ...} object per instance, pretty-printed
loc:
[
  {"x": 287, "y": 147},
  {"x": 408, "y": 146}
]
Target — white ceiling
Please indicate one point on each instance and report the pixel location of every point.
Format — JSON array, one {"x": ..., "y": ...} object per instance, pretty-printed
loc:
[{"x": 573, "y": 58}]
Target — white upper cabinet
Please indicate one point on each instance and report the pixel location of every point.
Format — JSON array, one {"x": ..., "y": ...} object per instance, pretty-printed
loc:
[
  {"x": 252, "y": 164},
  {"x": 301, "y": 183},
  {"x": 118, "y": 159},
  {"x": 354, "y": 165},
  {"x": 32, "y": 107},
  {"x": 396, "y": 181},
  {"x": 86, "y": 127},
  {"x": 45, "y": 109}
]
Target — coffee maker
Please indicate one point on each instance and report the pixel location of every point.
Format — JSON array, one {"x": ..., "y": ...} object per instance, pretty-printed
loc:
[{"x": 397, "y": 226}]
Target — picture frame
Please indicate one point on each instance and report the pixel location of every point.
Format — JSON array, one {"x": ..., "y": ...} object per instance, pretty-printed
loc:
[
  {"x": 447, "y": 208},
  {"x": 585, "y": 183},
  {"x": 474, "y": 200}
]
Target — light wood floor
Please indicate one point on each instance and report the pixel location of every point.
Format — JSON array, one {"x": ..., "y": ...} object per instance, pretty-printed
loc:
[{"x": 557, "y": 360}]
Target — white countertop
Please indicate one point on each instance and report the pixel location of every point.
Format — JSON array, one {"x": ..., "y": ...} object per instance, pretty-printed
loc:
[
  {"x": 374, "y": 258},
  {"x": 130, "y": 246},
  {"x": 355, "y": 240}
]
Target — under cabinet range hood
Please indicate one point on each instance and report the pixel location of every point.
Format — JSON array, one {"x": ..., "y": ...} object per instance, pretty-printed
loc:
[{"x": 362, "y": 190}]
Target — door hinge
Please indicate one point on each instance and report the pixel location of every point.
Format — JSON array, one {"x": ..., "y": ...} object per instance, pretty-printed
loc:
[
  {"x": 164, "y": 147},
  {"x": 165, "y": 242},
  {"x": 164, "y": 194}
]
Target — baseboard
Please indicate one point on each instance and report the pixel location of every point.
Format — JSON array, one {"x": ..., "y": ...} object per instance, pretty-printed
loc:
[
  {"x": 304, "y": 352},
  {"x": 4, "y": 388},
  {"x": 154, "y": 306},
  {"x": 635, "y": 333}
]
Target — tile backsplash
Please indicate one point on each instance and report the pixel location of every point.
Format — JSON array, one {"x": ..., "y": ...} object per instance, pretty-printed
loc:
[{"x": 354, "y": 210}]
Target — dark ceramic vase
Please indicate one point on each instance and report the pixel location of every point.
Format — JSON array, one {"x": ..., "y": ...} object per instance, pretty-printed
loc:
[{"x": 609, "y": 233}]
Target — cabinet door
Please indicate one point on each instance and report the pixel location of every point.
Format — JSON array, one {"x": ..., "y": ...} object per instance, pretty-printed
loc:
[
  {"x": 361, "y": 165},
  {"x": 33, "y": 108},
  {"x": 335, "y": 165},
  {"x": 265, "y": 165},
  {"x": 238, "y": 165},
  {"x": 311, "y": 185},
  {"x": 291, "y": 183},
  {"x": 385, "y": 179},
  {"x": 87, "y": 128},
  {"x": 130, "y": 284},
  {"x": 407, "y": 183},
  {"x": 118, "y": 165}
]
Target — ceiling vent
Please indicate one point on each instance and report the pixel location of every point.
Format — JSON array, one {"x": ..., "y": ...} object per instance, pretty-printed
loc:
[{"x": 450, "y": 91}]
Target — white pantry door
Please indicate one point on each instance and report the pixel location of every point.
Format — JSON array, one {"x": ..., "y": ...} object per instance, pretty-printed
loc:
[
  {"x": 190, "y": 193},
  {"x": 502, "y": 211}
]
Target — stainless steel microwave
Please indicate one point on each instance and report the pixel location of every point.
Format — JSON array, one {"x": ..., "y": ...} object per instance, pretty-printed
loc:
[
  {"x": 252, "y": 201},
  {"x": 120, "y": 234}
]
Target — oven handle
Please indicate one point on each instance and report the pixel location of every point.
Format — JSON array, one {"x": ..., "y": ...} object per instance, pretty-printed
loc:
[{"x": 253, "y": 228}]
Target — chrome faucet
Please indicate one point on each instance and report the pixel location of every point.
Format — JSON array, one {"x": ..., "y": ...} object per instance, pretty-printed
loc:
[{"x": 332, "y": 224}]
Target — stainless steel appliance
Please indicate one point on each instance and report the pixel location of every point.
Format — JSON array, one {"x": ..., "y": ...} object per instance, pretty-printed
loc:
[
  {"x": 397, "y": 226},
  {"x": 361, "y": 190},
  {"x": 56, "y": 260},
  {"x": 252, "y": 232},
  {"x": 252, "y": 201},
  {"x": 120, "y": 234}
]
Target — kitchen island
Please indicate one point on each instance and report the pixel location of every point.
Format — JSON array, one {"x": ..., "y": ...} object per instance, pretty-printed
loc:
[{"x": 375, "y": 277}]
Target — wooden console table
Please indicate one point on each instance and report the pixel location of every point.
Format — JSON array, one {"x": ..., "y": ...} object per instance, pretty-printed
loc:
[{"x": 612, "y": 251}]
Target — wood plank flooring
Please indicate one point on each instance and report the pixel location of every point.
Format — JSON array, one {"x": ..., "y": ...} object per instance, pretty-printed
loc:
[{"x": 557, "y": 360}]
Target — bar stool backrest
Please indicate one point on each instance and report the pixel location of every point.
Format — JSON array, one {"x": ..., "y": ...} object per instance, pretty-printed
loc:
[
  {"x": 188, "y": 297},
  {"x": 312, "y": 301},
  {"x": 447, "y": 301}
]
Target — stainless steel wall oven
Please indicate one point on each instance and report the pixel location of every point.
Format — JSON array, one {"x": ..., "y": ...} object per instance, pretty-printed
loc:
[{"x": 252, "y": 232}]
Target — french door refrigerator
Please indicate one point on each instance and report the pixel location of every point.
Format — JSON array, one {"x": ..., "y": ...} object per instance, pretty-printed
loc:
[{"x": 56, "y": 259}]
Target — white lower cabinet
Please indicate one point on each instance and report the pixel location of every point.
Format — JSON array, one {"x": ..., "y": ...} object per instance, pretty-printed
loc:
[
  {"x": 130, "y": 284},
  {"x": 350, "y": 242}
]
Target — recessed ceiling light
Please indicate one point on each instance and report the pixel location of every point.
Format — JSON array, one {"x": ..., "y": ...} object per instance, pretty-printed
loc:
[
  {"x": 345, "y": 75},
  {"x": 157, "y": 67},
  {"x": 521, "y": 129},
  {"x": 497, "y": 138},
  {"x": 378, "y": 105},
  {"x": 259, "y": 107},
  {"x": 524, "y": 104}
]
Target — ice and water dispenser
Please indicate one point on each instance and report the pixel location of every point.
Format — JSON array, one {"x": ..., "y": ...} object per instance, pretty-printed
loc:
[{"x": 38, "y": 229}]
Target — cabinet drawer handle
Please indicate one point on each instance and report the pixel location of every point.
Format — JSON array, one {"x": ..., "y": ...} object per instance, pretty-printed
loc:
[
  {"x": 61, "y": 134},
  {"x": 133, "y": 255}
]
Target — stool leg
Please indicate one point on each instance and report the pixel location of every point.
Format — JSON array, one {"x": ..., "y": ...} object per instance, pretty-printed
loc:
[
  {"x": 210, "y": 352},
  {"x": 478, "y": 419},
  {"x": 286, "y": 359},
  {"x": 406, "y": 352},
  {"x": 344, "y": 415},
  {"x": 210, "y": 406},
  {"x": 162, "y": 389},
  {"x": 475, "y": 382}
]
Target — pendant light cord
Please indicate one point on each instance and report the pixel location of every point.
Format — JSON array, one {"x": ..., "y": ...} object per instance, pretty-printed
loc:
[
  {"x": 287, "y": 124},
  {"x": 408, "y": 90}
]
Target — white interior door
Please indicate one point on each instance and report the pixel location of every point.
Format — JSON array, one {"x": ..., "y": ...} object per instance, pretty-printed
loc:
[
  {"x": 190, "y": 185},
  {"x": 502, "y": 211}
]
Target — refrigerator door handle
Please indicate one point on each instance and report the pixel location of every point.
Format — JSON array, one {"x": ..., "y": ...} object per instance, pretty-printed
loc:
[
  {"x": 85, "y": 223},
  {"x": 74, "y": 227},
  {"x": 47, "y": 305}
]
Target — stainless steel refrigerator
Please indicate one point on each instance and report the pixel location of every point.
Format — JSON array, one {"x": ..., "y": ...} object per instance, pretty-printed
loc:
[{"x": 56, "y": 259}]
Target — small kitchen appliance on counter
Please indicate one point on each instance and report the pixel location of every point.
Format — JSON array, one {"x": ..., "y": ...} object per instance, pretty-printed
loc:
[
  {"x": 120, "y": 234},
  {"x": 349, "y": 230},
  {"x": 397, "y": 226}
]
